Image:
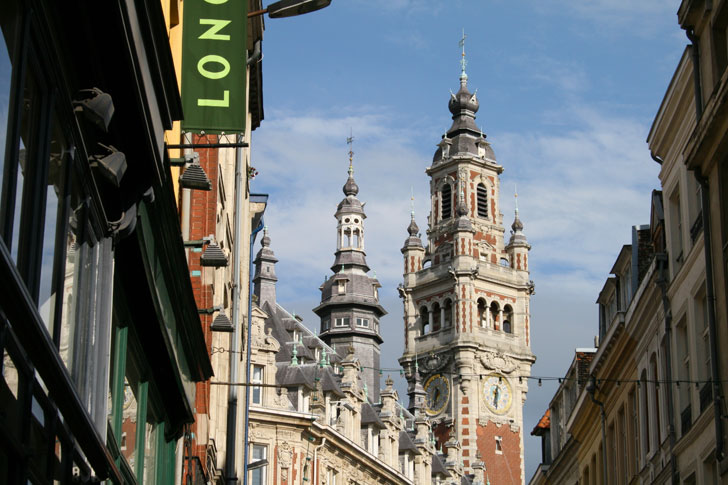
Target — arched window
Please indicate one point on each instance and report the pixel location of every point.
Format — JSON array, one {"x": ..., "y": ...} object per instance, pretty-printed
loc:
[
  {"x": 447, "y": 314},
  {"x": 424, "y": 320},
  {"x": 355, "y": 241},
  {"x": 482, "y": 313},
  {"x": 436, "y": 317},
  {"x": 482, "y": 201},
  {"x": 495, "y": 316},
  {"x": 508, "y": 319},
  {"x": 446, "y": 198}
]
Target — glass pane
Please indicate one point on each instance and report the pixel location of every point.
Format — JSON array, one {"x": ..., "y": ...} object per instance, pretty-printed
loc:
[
  {"x": 127, "y": 443},
  {"x": 150, "y": 451},
  {"x": 54, "y": 194},
  {"x": 9, "y": 394},
  {"x": 31, "y": 99},
  {"x": 9, "y": 21}
]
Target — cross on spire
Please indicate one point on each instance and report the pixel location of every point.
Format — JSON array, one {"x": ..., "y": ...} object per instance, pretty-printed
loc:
[{"x": 463, "y": 61}]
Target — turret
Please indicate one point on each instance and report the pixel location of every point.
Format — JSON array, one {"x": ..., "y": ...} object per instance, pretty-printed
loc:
[
  {"x": 350, "y": 309},
  {"x": 518, "y": 246},
  {"x": 265, "y": 273}
]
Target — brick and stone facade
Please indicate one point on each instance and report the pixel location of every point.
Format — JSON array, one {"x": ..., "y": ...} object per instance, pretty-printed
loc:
[{"x": 466, "y": 307}]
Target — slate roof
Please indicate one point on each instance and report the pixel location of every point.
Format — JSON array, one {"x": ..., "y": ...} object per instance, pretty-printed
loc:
[
  {"x": 370, "y": 416},
  {"x": 406, "y": 443},
  {"x": 438, "y": 468}
]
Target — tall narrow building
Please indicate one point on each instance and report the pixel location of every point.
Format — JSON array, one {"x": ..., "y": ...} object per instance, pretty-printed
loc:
[
  {"x": 350, "y": 309},
  {"x": 466, "y": 306}
]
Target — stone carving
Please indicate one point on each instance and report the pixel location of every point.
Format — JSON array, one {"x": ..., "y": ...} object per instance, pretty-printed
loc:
[
  {"x": 282, "y": 401},
  {"x": 497, "y": 361},
  {"x": 434, "y": 362},
  {"x": 285, "y": 454}
]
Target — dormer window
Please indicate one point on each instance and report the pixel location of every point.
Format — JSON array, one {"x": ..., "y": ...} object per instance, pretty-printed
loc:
[{"x": 342, "y": 287}]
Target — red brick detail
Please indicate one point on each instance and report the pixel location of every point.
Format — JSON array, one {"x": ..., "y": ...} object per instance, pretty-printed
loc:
[
  {"x": 431, "y": 297},
  {"x": 493, "y": 259},
  {"x": 442, "y": 435},
  {"x": 466, "y": 431},
  {"x": 465, "y": 421},
  {"x": 203, "y": 222},
  {"x": 465, "y": 400},
  {"x": 466, "y": 452},
  {"x": 465, "y": 411},
  {"x": 490, "y": 294},
  {"x": 503, "y": 467},
  {"x": 466, "y": 441}
]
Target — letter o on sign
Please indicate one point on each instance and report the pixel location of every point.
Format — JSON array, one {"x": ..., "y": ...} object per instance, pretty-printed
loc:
[{"x": 210, "y": 59}]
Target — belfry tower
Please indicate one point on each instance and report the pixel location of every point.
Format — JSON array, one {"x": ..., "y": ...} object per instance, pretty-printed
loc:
[
  {"x": 466, "y": 305},
  {"x": 350, "y": 309}
]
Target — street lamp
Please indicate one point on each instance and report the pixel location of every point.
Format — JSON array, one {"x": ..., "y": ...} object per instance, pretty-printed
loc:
[{"x": 291, "y": 8}]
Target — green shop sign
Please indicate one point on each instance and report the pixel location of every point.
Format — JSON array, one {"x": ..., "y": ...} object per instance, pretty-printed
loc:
[{"x": 214, "y": 51}]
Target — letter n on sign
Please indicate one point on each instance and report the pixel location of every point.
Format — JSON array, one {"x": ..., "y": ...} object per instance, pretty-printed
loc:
[{"x": 214, "y": 41}]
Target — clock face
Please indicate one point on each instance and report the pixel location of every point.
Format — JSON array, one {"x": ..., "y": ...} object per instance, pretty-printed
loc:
[
  {"x": 497, "y": 393},
  {"x": 437, "y": 388}
]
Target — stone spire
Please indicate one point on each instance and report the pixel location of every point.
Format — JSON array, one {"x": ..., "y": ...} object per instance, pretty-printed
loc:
[
  {"x": 350, "y": 308},
  {"x": 265, "y": 272}
]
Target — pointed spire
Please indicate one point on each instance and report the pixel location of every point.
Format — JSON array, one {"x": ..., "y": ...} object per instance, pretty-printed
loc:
[
  {"x": 350, "y": 188},
  {"x": 265, "y": 242},
  {"x": 517, "y": 225},
  {"x": 463, "y": 61},
  {"x": 412, "y": 229}
]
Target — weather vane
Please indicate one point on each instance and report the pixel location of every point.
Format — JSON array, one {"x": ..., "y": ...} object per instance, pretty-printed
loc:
[
  {"x": 463, "y": 61},
  {"x": 350, "y": 142}
]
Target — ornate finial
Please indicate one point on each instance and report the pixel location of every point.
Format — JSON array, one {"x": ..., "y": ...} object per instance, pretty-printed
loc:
[
  {"x": 323, "y": 358},
  {"x": 350, "y": 188},
  {"x": 412, "y": 201},
  {"x": 461, "y": 209},
  {"x": 517, "y": 225},
  {"x": 350, "y": 142},
  {"x": 412, "y": 229},
  {"x": 463, "y": 61},
  {"x": 265, "y": 242},
  {"x": 294, "y": 354}
]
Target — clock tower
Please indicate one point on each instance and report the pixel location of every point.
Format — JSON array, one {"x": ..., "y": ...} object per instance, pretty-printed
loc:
[{"x": 466, "y": 305}]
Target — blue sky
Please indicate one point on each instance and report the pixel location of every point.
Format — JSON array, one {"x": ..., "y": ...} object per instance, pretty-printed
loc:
[{"x": 567, "y": 90}]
